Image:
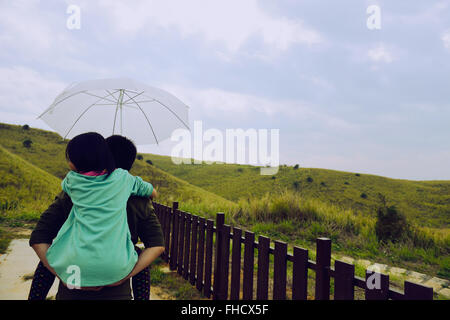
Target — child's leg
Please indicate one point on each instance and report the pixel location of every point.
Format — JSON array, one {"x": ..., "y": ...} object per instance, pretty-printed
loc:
[
  {"x": 141, "y": 282},
  {"x": 42, "y": 282}
]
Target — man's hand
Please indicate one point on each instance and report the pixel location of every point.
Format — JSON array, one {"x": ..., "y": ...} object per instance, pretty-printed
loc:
[{"x": 41, "y": 251}]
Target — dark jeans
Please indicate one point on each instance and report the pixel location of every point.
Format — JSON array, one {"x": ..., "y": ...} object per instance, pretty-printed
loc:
[{"x": 121, "y": 292}]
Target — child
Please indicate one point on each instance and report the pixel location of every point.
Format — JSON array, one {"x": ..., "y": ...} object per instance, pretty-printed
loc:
[
  {"x": 142, "y": 222},
  {"x": 95, "y": 238}
]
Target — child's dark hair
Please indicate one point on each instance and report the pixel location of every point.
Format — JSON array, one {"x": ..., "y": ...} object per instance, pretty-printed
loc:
[
  {"x": 123, "y": 150},
  {"x": 89, "y": 152}
]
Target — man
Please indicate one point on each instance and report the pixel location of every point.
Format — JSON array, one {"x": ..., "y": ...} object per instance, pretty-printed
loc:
[{"x": 142, "y": 222}]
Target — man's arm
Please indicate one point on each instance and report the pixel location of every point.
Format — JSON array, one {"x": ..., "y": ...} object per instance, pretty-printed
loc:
[
  {"x": 51, "y": 220},
  {"x": 41, "y": 251},
  {"x": 149, "y": 228}
]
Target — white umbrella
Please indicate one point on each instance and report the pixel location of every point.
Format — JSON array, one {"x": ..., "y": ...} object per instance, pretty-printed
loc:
[{"x": 122, "y": 106}]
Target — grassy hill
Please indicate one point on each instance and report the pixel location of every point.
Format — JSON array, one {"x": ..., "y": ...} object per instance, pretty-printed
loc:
[
  {"x": 425, "y": 202},
  {"x": 24, "y": 188}
]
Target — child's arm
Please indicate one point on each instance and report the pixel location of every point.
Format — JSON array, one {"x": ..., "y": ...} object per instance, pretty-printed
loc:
[{"x": 140, "y": 187}]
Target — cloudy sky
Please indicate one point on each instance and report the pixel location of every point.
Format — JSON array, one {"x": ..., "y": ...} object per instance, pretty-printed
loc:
[{"x": 343, "y": 96}]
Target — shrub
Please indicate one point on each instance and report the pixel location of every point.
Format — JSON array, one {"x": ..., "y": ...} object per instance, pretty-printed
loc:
[
  {"x": 149, "y": 162},
  {"x": 363, "y": 195},
  {"x": 273, "y": 177},
  {"x": 296, "y": 166},
  {"x": 323, "y": 184},
  {"x": 27, "y": 143},
  {"x": 296, "y": 185},
  {"x": 346, "y": 183},
  {"x": 357, "y": 174},
  {"x": 309, "y": 179},
  {"x": 391, "y": 224},
  {"x": 240, "y": 170},
  {"x": 139, "y": 157},
  {"x": 26, "y": 127}
]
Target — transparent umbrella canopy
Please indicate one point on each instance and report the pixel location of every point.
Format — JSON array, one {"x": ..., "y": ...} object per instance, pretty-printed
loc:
[{"x": 145, "y": 114}]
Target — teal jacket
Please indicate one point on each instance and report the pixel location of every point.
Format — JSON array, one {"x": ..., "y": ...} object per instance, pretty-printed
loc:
[{"x": 95, "y": 239}]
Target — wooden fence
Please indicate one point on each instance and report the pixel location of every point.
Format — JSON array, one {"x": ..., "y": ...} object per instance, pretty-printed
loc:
[{"x": 201, "y": 253}]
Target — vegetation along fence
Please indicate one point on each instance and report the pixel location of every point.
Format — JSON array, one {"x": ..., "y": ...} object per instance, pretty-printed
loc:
[{"x": 194, "y": 246}]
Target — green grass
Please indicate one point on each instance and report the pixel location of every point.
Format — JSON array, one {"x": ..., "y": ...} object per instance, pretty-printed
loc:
[
  {"x": 25, "y": 190},
  {"x": 172, "y": 284}
]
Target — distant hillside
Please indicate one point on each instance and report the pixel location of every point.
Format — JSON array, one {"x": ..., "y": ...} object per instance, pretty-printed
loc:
[
  {"x": 426, "y": 202},
  {"x": 24, "y": 188},
  {"x": 47, "y": 152}
]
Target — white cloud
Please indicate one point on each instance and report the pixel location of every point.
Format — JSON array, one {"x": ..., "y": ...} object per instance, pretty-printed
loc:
[
  {"x": 26, "y": 93},
  {"x": 380, "y": 54},
  {"x": 446, "y": 39},
  {"x": 230, "y": 23}
]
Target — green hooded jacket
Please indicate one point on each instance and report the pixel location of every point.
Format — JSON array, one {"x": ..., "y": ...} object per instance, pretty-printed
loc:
[{"x": 95, "y": 239}]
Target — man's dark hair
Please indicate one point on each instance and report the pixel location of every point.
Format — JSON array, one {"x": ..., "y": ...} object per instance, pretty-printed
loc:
[
  {"x": 123, "y": 150},
  {"x": 89, "y": 152}
]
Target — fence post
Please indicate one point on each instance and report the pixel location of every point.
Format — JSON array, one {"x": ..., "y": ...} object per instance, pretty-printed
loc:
[
  {"x": 236, "y": 264},
  {"x": 262, "y": 289},
  {"x": 300, "y": 274},
  {"x": 344, "y": 274},
  {"x": 323, "y": 261},
  {"x": 415, "y": 291},
  {"x": 167, "y": 223},
  {"x": 181, "y": 224},
  {"x": 193, "y": 260},
  {"x": 220, "y": 220},
  {"x": 249, "y": 265},
  {"x": 208, "y": 257},
  {"x": 279, "y": 270},
  {"x": 377, "y": 286},
  {"x": 174, "y": 242},
  {"x": 187, "y": 246},
  {"x": 201, "y": 253},
  {"x": 225, "y": 262}
]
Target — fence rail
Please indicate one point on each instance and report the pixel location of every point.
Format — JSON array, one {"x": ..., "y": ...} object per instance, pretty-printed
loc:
[{"x": 201, "y": 253}]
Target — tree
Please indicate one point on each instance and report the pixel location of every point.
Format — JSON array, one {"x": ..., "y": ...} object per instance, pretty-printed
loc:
[
  {"x": 26, "y": 127},
  {"x": 391, "y": 224},
  {"x": 296, "y": 167},
  {"x": 27, "y": 143}
]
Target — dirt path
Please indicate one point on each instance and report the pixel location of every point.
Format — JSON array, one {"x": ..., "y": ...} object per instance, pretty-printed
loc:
[{"x": 16, "y": 270}]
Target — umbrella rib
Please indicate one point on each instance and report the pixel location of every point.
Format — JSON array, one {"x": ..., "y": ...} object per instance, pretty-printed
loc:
[
  {"x": 90, "y": 94},
  {"x": 84, "y": 113},
  {"x": 144, "y": 116},
  {"x": 134, "y": 96},
  {"x": 172, "y": 113},
  {"x": 55, "y": 104}
]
